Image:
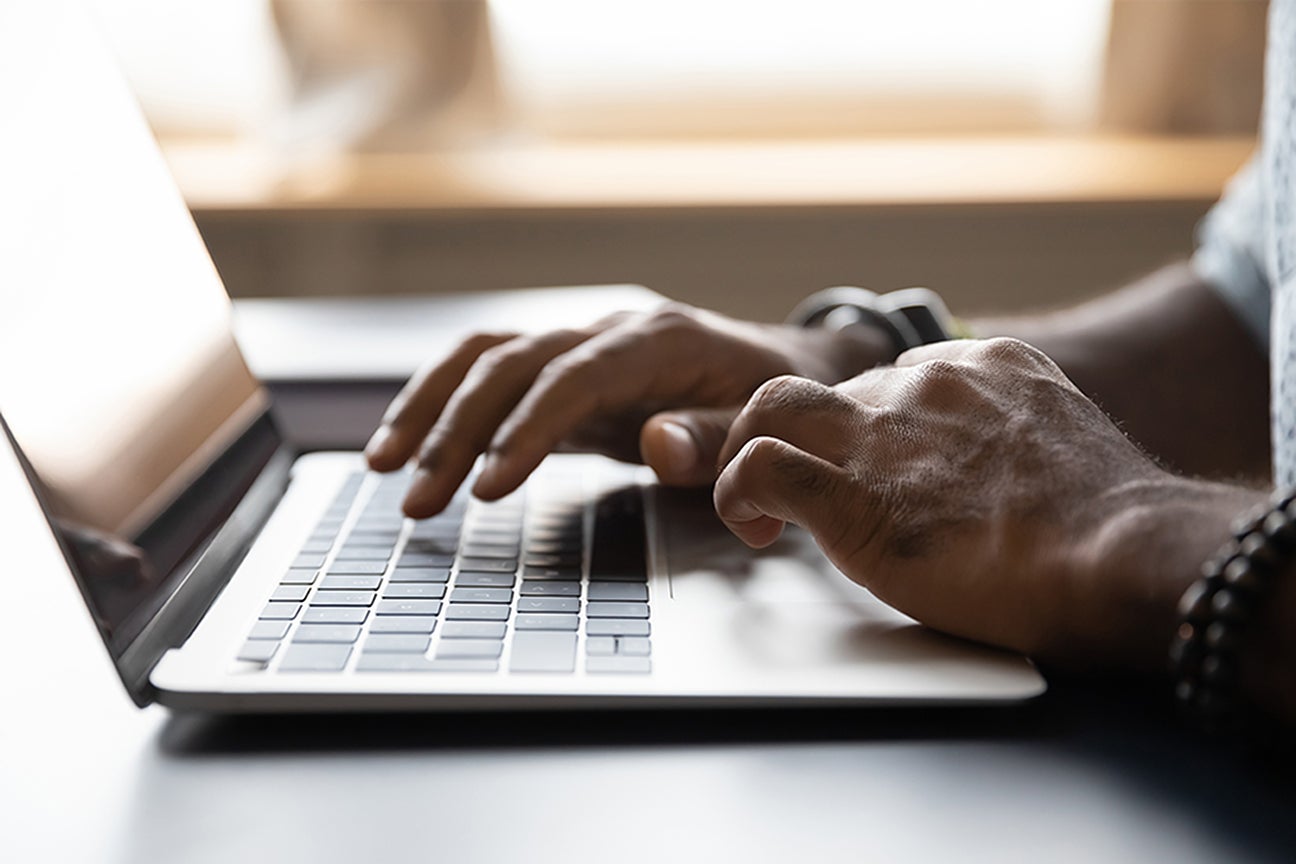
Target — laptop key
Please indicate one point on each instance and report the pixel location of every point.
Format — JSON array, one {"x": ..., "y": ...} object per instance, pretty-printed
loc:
[
  {"x": 317, "y": 545},
  {"x": 280, "y": 611},
  {"x": 633, "y": 646},
  {"x": 310, "y": 559},
  {"x": 542, "y": 561},
  {"x": 600, "y": 646},
  {"x": 409, "y": 607},
  {"x": 485, "y": 580},
  {"x": 489, "y": 550},
  {"x": 618, "y": 664},
  {"x": 533, "y": 621},
  {"x": 420, "y": 559},
  {"x": 364, "y": 553},
  {"x": 315, "y": 658},
  {"x": 545, "y": 588},
  {"x": 335, "y": 615},
  {"x": 258, "y": 651},
  {"x": 358, "y": 568},
  {"x": 482, "y": 595},
  {"x": 477, "y": 612},
  {"x": 423, "y": 624},
  {"x": 269, "y": 630},
  {"x": 412, "y": 590},
  {"x": 617, "y": 627},
  {"x": 474, "y": 630},
  {"x": 618, "y": 591},
  {"x": 290, "y": 593},
  {"x": 619, "y": 546},
  {"x": 463, "y": 648},
  {"x": 343, "y": 598},
  {"x": 549, "y": 604},
  {"x": 342, "y": 633},
  {"x": 551, "y": 574},
  {"x": 543, "y": 652},
  {"x": 616, "y": 610},
  {"x": 488, "y": 565},
  {"x": 351, "y": 583},
  {"x": 299, "y": 577},
  {"x": 396, "y": 643},
  {"x": 420, "y": 574}
]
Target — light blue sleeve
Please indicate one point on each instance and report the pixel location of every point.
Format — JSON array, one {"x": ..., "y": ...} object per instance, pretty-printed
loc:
[{"x": 1230, "y": 251}]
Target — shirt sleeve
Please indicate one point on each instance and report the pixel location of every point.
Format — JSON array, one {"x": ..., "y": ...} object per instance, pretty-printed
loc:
[{"x": 1230, "y": 251}]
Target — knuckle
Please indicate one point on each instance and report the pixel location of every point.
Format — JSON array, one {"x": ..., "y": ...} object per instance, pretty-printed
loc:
[
  {"x": 479, "y": 342},
  {"x": 783, "y": 393},
  {"x": 1004, "y": 350},
  {"x": 672, "y": 316},
  {"x": 939, "y": 381}
]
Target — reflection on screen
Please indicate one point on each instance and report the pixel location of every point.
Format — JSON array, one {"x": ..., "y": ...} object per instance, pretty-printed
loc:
[{"x": 119, "y": 376}]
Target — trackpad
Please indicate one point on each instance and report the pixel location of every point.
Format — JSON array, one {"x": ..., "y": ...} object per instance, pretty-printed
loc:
[{"x": 707, "y": 563}]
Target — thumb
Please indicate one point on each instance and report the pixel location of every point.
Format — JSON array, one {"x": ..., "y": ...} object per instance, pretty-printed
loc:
[{"x": 682, "y": 446}]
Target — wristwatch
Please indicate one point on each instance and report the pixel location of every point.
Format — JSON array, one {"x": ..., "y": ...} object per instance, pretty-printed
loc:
[{"x": 909, "y": 316}]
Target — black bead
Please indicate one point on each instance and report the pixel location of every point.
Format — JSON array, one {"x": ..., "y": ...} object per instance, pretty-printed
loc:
[
  {"x": 1186, "y": 650},
  {"x": 1259, "y": 551},
  {"x": 1243, "y": 578},
  {"x": 1218, "y": 670},
  {"x": 1279, "y": 530},
  {"x": 1194, "y": 605},
  {"x": 1228, "y": 606},
  {"x": 1220, "y": 637},
  {"x": 1249, "y": 521}
]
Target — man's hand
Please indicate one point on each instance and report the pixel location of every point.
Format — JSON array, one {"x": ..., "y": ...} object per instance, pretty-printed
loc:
[
  {"x": 973, "y": 487},
  {"x": 601, "y": 388}
]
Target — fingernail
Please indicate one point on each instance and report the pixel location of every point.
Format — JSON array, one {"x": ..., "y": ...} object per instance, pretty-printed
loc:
[
  {"x": 422, "y": 486},
  {"x": 681, "y": 449},
  {"x": 490, "y": 467},
  {"x": 378, "y": 441}
]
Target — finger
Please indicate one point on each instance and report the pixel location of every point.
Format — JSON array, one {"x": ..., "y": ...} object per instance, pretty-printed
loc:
[
  {"x": 417, "y": 406},
  {"x": 813, "y": 416},
  {"x": 490, "y": 390},
  {"x": 614, "y": 370},
  {"x": 769, "y": 483},
  {"x": 683, "y": 446}
]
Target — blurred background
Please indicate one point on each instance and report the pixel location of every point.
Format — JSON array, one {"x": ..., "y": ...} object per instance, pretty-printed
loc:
[{"x": 732, "y": 153}]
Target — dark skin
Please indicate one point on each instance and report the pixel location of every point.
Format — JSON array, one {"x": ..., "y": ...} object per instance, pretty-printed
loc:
[{"x": 975, "y": 485}]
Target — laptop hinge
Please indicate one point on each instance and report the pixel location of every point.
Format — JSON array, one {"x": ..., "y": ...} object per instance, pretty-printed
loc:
[{"x": 207, "y": 572}]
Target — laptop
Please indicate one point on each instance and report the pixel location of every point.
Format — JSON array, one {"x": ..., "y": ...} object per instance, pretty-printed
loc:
[{"x": 226, "y": 572}]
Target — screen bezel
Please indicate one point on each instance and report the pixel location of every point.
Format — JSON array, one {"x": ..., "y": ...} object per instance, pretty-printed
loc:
[{"x": 225, "y": 509}]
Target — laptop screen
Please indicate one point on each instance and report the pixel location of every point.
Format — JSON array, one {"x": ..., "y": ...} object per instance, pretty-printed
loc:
[{"x": 120, "y": 380}]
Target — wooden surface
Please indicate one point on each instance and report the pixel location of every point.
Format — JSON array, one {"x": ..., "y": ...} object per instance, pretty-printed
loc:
[{"x": 221, "y": 177}]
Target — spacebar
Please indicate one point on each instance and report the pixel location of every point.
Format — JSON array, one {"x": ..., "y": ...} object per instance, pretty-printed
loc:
[{"x": 543, "y": 651}]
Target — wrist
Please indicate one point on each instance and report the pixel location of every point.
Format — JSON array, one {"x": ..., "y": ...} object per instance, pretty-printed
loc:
[
  {"x": 832, "y": 356},
  {"x": 1134, "y": 563}
]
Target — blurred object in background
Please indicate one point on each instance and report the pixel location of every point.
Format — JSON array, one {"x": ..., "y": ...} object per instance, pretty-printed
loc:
[
  {"x": 1184, "y": 66},
  {"x": 806, "y": 68},
  {"x": 385, "y": 75}
]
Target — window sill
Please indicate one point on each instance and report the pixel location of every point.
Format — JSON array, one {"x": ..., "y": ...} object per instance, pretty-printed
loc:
[{"x": 228, "y": 178}]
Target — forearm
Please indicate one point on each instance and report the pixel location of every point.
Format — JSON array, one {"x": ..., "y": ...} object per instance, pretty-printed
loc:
[{"x": 1171, "y": 364}]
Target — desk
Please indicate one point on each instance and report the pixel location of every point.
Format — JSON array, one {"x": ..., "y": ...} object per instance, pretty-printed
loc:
[{"x": 1086, "y": 774}]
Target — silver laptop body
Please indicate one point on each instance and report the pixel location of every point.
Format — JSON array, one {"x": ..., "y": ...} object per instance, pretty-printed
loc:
[{"x": 210, "y": 555}]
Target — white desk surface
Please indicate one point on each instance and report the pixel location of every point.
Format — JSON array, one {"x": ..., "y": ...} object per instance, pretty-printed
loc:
[{"x": 1085, "y": 776}]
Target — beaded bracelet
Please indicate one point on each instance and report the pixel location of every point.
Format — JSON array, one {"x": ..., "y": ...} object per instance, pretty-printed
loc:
[{"x": 1217, "y": 608}]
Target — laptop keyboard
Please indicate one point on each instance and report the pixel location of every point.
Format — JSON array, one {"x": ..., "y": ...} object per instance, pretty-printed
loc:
[{"x": 542, "y": 586}]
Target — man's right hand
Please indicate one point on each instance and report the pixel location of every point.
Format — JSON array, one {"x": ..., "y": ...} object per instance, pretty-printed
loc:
[{"x": 658, "y": 386}]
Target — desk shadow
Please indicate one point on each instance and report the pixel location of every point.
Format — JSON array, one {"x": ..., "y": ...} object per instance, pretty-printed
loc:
[{"x": 196, "y": 735}]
